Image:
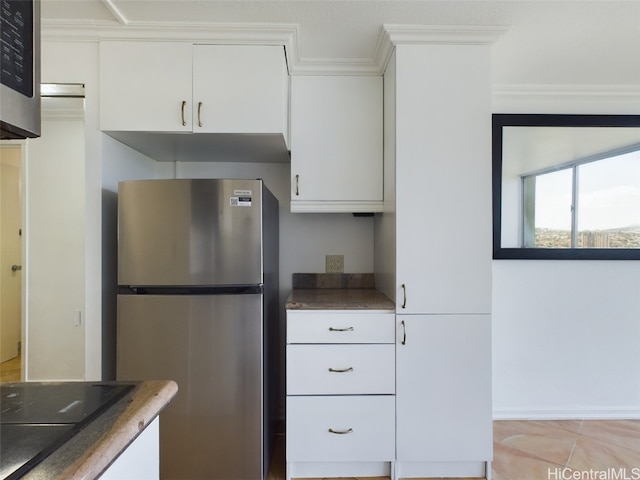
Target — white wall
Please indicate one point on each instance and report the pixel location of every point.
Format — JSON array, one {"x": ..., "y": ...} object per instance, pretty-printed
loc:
[
  {"x": 77, "y": 62},
  {"x": 565, "y": 338},
  {"x": 54, "y": 236},
  {"x": 566, "y": 334}
]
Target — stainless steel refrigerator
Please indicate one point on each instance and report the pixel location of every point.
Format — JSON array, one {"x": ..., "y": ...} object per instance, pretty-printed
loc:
[{"x": 198, "y": 304}]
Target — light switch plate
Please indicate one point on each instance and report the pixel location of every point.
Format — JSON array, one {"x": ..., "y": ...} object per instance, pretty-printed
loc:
[{"x": 334, "y": 264}]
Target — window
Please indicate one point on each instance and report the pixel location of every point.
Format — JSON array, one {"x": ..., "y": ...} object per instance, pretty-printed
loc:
[
  {"x": 592, "y": 203},
  {"x": 566, "y": 187}
]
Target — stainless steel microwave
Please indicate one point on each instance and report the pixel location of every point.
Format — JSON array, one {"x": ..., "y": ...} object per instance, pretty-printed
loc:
[{"x": 19, "y": 69}]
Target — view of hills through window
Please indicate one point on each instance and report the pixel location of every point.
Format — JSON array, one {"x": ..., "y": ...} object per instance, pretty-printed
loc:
[{"x": 607, "y": 204}]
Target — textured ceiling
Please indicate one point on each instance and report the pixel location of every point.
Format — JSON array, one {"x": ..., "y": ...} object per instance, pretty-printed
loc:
[{"x": 584, "y": 42}]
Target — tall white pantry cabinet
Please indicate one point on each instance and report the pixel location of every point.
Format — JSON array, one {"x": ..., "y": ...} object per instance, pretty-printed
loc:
[{"x": 433, "y": 255}]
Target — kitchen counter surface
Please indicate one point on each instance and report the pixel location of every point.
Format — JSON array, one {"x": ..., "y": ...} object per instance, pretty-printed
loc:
[
  {"x": 336, "y": 291},
  {"x": 338, "y": 299},
  {"x": 88, "y": 453}
]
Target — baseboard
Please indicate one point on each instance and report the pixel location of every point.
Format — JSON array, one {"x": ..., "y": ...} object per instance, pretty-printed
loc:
[{"x": 573, "y": 413}]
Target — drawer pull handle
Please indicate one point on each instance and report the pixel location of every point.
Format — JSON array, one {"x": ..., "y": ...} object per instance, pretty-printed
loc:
[
  {"x": 348, "y": 329},
  {"x": 404, "y": 296},
  {"x": 341, "y": 432},
  {"x": 341, "y": 370},
  {"x": 404, "y": 333},
  {"x": 184, "y": 121}
]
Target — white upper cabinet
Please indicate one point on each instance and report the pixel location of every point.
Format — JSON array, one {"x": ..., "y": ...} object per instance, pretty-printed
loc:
[
  {"x": 146, "y": 86},
  {"x": 336, "y": 144},
  {"x": 180, "y": 87},
  {"x": 443, "y": 180},
  {"x": 239, "y": 88}
]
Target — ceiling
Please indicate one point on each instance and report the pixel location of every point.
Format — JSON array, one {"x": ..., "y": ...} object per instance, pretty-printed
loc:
[{"x": 554, "y": 42}]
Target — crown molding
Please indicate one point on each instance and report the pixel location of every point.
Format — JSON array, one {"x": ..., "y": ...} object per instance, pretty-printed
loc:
[
  {"x": 563, "y": 91},
  {"x": 268, "y": 34},
  {"x": 393, "y": 35},
  {"x": 576, "y": 98},
  {"x": 443, "y": 34},
  {"x": 335, "y": 66},
  {"x": 249, "y": 33}
]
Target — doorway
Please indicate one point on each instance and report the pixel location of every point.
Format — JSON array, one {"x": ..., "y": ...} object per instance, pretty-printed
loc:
[{"x": 10, "y": 260}]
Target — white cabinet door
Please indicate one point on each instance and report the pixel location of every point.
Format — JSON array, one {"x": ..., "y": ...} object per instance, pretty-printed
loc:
[
  {"x": 240, "y": 89},
  {"x": 180, "y": 87},
  {"x": 336, "y": 143},
  {"x": 443, "y": 390},
  {"x": 145, "y": 86},
  {"x": 443, "y": 179},
  {"x": 141, "y": 459}
]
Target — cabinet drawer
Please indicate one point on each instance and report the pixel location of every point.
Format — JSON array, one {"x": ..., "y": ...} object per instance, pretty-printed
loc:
[
  {"x": 366, "y": 422},
  {"x": 330, "y": 327},
  {"x": 340, "y": 369}
]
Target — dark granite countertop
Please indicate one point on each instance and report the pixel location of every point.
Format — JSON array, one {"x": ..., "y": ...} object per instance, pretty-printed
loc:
[
  {"x": 90, "y": 451},
  {"x": 313, "y": 291},
  {"x": 338, "y": 299}
]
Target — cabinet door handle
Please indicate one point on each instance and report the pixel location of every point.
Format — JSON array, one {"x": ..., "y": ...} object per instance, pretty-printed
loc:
[
  {"x": 184, "y": 121},
  {"x": 297, "y": 185},
  {"x": 404, "y": 333},
  {"x": 341, "y": 370},
  {"x": 348, "y": 329},
  {"x": 404, "y": 293},
  {"x": 341, "y": 432},
  {"x": 199, "y": 110}
]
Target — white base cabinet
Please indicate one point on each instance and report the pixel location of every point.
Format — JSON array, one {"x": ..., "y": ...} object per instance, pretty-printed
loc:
[
  {"x": 443, "y": 395},
  {"x": 340, "y": 393},
  {"x": 141, "y": 459}
]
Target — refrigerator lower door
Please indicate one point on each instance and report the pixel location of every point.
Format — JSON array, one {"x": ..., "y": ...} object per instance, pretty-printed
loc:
[{"x": 211, "y": 345}]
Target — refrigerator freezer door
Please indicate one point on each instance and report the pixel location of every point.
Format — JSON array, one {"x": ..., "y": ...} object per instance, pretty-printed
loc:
[
  {"x": 190, "y": 232},
  {"x": 211, "y": 346}
]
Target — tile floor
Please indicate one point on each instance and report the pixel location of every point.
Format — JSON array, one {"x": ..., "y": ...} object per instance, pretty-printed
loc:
[
  {"x": 551, "y": 450},
  {"x": 566, "y": 450},
  {"x": 526, "y": 449}
]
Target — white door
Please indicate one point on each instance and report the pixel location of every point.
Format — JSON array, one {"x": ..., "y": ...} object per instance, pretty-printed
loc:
[
  {"x": 443, "y": 388},
  {"x": 443, "y": 179},
  {"x": 10, "y": 251},
  {"x": 336, "y": 138},
  {"x": 145, "y": 86},
  {"x": 239, "y": 89}
]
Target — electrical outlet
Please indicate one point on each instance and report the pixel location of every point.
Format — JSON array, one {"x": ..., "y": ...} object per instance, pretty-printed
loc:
[{"x": 334, "y": 263}]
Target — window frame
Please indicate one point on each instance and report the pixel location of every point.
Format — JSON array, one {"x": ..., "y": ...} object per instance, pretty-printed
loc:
[{"x": 499, "y": 121}]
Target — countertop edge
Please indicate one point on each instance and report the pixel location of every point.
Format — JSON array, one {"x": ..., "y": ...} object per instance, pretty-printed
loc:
[{"x": 92, "y": 450}]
